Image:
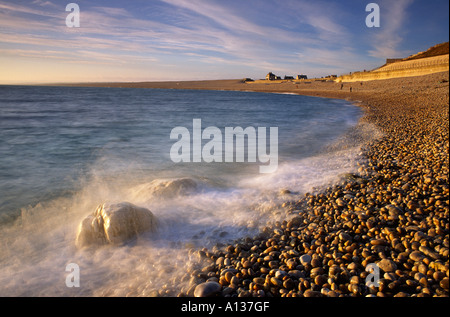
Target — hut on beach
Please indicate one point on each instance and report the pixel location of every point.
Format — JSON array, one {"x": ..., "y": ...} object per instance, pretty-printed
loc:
[{"x": 272, "y": 76}]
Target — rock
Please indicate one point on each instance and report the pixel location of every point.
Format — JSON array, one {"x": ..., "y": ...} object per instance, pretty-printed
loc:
[
  {"x": 417, "y": 256},
  {"x": 288, "y": 284},
  {"x": 259, "y": 280},
  {"x": 316, "y": 263},
  {"x": 280, "y": 274},
  {"x": 164, "y": 188},
  {"x": 355, "y": 289},
  {"x": 305, "y": 259},
  {"x": 294, "y": 222},
  {"x": 310, "y": 293},
  {"x": 393, "y": 211},
  {"x": 387, "y": 265},
  {"x": 320, "y": 279},
  {"x": 285, "y": 192},
  {"x": 340, "y": 202},
  {"x": 412, "y": 205},
  {"x": 316, "y": 271},
  {"x": 276, "y": 282},
  {"x": 114, "y": 224},
  {"x": 352, "y": 266},
  {"x": 428, "y": 252},
  {"x": 345, "y": 236},
  {"x": 401, "y": 294},
  {"x": 444, "y": 283},
  {"x": 378, "y": 242},
  {"x": 334, "y": 270},
  {"x": 207, "y": 289}
]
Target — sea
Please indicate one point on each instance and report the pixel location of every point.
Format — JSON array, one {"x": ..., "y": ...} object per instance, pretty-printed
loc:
[{"x": 66, "y": 150}]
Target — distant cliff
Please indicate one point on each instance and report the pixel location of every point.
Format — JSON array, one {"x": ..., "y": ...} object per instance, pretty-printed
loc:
[{"x": 434, "y": 60}]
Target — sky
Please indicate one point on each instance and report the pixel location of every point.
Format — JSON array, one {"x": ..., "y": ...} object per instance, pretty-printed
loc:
[{"x": 165, "y": 40}]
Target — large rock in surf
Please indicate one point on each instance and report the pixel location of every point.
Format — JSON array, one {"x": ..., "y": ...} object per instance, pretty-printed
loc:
[
  {"x": 114, "y": 224},
  {"x": 165, "y": 188}
]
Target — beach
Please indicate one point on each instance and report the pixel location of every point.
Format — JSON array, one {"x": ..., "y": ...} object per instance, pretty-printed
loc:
[
  {"x": 382, "y": 231},
  {"x": 242, "y": 152},
  {"x": 393, "y": 213}
]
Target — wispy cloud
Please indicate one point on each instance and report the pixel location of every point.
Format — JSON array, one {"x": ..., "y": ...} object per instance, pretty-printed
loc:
[
  {"x": 201, "y": 37},
  {"x": 393, "y": 29}
]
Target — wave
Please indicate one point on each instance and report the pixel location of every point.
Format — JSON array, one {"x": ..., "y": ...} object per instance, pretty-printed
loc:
[
  {"x": 191, "y": 213},
  {"x": 196, "y": 206}
]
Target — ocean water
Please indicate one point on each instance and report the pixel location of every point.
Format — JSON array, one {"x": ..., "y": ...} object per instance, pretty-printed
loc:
[{"x": 66, "y": 150}]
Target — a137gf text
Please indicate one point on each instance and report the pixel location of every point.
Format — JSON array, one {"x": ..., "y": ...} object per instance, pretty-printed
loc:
[{"x": 238, "y": 306}]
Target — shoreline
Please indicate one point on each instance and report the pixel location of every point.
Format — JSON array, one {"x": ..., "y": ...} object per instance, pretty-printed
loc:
[
  {"x": 393, "y": 214},
  {"x": 315, "y": 88}
]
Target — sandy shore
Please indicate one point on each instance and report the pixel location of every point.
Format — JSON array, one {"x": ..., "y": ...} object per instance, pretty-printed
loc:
[
  {"x": 350, "y": 91},
  {"x": 394, "y": 212}
]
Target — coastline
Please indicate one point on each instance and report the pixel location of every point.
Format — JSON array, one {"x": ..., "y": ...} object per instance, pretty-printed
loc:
[{"x": 393, "y": 213}]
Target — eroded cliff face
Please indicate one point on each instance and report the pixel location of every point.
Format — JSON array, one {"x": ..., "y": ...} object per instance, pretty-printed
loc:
[{"x": 410, "y": 68}]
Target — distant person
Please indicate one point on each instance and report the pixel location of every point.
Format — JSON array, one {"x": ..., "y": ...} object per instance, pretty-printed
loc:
[
  {"x": 342, "y": 86},
  {"x": 351, "y": 89}
]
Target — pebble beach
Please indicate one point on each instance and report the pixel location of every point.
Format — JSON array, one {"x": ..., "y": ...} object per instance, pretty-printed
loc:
[{"x": 392, "y": 215}]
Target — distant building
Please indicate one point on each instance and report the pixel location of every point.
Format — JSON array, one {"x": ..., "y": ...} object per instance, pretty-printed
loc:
[
  {"x": 271, "y": 76},
  {"x": 393, "y": 60},
  {"x": 302, "y": 77},
  {"x": 288, "y": 77}
]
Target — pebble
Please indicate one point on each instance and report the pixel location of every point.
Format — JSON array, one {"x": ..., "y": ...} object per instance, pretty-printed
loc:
[
  {"x": 345, "y": 236},
  {"x": 387, "y": 265},
  {"x": 340, "y": 202},
  {"x": 310, "y": 293},
  {"x": 444, "y": 283},
  {"x": 207, "y": 289},
  {"x": 417, "y": 256},
  {"x": 378, "y": 242},
  {"x": 276, "y": 282},
  {"x": 305, "y": 259},
  {"x": 430, "y": 253}
]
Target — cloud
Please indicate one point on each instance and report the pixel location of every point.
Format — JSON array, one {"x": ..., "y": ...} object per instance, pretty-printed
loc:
[
  {"x": 208, "y": 32},
  {"x": 15, "y": 9},
  {"x": 394, "y": 16},
  {"x": 257, "y": 36},
  {"x": 43, "y": 3}
]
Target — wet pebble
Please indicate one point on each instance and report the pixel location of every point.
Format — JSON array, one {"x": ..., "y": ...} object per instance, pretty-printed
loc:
[{"x": 207, "y": 289}]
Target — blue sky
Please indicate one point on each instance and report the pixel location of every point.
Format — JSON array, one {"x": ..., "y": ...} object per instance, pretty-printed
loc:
[{"x": 155, "y": 40}]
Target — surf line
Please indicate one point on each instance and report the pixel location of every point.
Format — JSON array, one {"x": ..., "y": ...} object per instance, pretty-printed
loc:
[{"x": 228, "y": 147}]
